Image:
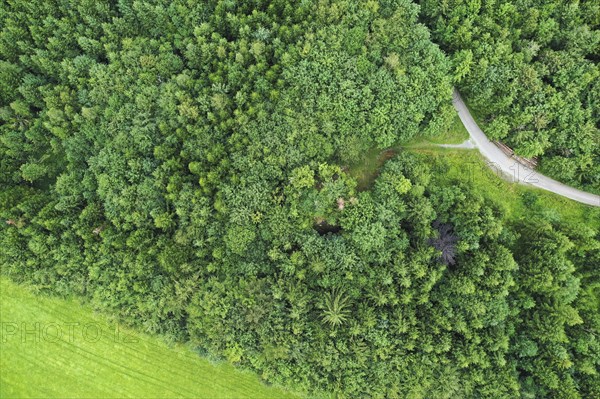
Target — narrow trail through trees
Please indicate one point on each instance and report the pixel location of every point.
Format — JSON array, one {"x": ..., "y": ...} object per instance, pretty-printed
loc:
[{"x": 499, "y": 161}]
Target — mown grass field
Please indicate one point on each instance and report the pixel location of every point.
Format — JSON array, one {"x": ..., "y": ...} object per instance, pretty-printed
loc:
[{"x": 93, "y": 358}]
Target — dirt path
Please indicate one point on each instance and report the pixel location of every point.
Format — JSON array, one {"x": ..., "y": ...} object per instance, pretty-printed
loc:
[
  {"x": 467, "y": 144},
  {"x": 519, "y": 173}
]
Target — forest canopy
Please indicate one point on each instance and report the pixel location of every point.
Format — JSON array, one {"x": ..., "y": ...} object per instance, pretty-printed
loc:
[
  {"x": 530, "y": 67},
  {"x": 184, "y": 166}
]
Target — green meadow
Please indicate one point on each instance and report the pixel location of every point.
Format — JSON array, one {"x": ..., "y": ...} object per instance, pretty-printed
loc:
[{"x": 59, "y": 348}]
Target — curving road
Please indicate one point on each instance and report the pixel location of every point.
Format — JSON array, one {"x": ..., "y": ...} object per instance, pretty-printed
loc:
[{"x": 502, "y": 163}]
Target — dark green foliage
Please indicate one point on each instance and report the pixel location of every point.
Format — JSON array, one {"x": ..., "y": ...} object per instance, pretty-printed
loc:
[
  {"x": 183, "y": 166},
  {"x": 531, "y": 68}
]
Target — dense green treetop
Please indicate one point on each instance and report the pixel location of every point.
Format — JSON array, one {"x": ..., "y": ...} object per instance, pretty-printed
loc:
[
  {"x": 184, "y": 166},
  {"x": 530, "y": 68}
]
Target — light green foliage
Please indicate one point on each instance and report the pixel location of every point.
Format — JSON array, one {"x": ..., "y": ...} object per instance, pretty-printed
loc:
[
  {"x": 336, "y": 308},
  {"x": 194, "y": 169}
]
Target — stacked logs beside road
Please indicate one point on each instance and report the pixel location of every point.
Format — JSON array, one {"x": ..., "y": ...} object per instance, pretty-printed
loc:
[{"x": 531, "y": 163}]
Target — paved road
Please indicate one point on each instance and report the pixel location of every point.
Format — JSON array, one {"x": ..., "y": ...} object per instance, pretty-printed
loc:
[{"x": 502, "y": 163}]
